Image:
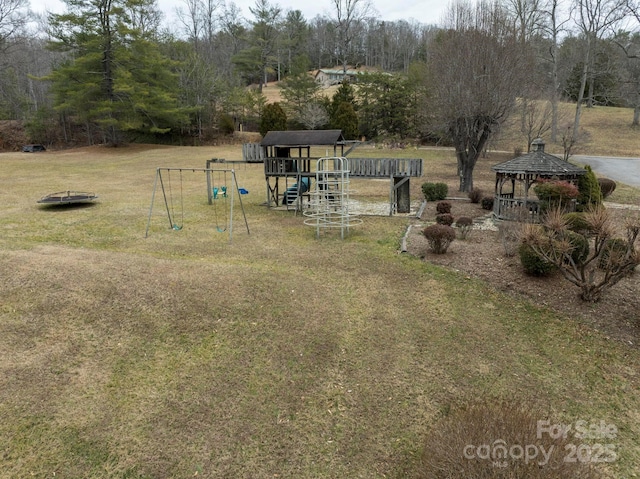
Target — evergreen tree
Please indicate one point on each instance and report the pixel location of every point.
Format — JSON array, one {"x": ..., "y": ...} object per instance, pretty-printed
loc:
[
  {"x": 298, "y": 91},
  {"x": 345, "y": 118},
  {"x": 256, "y": 61},
  {"x": 115, "y": 80},
  {"x": 273, "y": 119},
  {"x": 387, "y": 105},
  {"x": 590, "y": 194},
  {"x": 343, "y": 111}
]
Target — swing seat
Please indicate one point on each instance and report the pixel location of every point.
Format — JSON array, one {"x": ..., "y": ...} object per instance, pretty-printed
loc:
[
  {"x": 176, "y": 227},
  {"x": 242, "y": 191}
]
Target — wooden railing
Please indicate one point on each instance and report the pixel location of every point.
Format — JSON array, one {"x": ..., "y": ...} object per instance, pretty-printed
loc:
[
  {"x": 358, "y": 167},
  {"x": 385, "y": 167},
  {"x": 508, "y": 208}
]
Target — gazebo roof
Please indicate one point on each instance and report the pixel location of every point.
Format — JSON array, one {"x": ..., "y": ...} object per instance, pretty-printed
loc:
[{"x": 537, "y": 162}]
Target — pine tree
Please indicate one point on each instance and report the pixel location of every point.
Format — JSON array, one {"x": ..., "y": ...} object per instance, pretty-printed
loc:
[
  {"x": 115, "y": 80},
  {"x": 273, "y": 119}
]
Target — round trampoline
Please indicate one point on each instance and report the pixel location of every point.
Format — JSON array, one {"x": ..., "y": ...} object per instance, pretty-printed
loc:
[{"x": 67, "y": 198}]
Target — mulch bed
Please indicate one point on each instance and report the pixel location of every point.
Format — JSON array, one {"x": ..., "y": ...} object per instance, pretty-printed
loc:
[{"x": 482, "y": 255}]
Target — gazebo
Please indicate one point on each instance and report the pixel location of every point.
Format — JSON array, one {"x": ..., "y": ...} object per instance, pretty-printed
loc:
[{"x": 515, "y": 178}]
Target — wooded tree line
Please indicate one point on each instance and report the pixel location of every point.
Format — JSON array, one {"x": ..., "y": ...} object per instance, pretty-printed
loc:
[{"x": 106, "y": 71}]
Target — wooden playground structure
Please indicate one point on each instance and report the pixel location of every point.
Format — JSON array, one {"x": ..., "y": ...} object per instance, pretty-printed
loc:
[{"x": 289, "y": 168}]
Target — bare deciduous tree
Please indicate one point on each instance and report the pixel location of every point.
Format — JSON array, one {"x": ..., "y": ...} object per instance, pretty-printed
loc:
[
  {"x": 348, "y": 14},
  {"x": 13, "y": 16},
  {"x": 477, "y": 70},
  {"x": 313, "y": 116},
  {"x": 594, "y": 19}
]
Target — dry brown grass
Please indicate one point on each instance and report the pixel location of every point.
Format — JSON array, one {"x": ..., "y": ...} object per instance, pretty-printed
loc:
[{"x": 277, "y": 355}]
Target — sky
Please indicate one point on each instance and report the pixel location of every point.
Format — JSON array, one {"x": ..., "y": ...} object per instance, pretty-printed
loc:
[{"x": 423, "y": 11}]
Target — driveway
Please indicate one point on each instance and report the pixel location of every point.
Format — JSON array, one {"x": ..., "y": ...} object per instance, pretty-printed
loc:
[{"x": 624, "y": 170}]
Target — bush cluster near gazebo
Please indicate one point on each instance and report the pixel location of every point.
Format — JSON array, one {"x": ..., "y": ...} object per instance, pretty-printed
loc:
[{"x": 516, "y": 178}]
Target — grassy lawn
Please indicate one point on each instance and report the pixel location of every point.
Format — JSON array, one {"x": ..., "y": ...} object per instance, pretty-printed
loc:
[{"x": 276, "y": 355}]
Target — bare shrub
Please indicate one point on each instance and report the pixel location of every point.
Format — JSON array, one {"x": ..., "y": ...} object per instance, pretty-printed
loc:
[
  {"x": 444, "y": 219},
  {"x": 439, "y": 237},
  {"x": 464, "y": 225},
  {"x": 609, "y": 259},
  {"x": 443, "y": 207},
  {"x": 510, "y": 229},
  {"x": 475, "y": 195},
  {"x": 487, "y": 203},
  {"x": 485, "y": 440}
]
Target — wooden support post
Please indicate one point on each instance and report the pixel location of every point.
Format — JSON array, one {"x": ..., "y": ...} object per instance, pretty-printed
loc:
[{"x": 403, "y": 193}]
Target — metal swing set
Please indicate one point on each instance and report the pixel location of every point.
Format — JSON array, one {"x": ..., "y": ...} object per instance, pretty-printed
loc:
[{"x": 217, "y": 192}]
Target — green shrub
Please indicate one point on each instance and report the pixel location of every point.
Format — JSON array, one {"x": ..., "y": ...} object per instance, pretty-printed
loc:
[
  {"x": 607, "y": 187},
  {"x": 444, "y": 219},
  {"x": 487, "y": 203},
  {"x": 443, "y": 207},
  {"x": 590, "y": 195},
  {"x": 435, "y": 191},
  {"x": 464, "y": 225},
  {"x": 475, "y": 195},
  {"x": 439, "y": 237},
  {"x": 580, "y": 247},
  {"x": 532, "y": 263},
  {"x": 577, "y": 222}
]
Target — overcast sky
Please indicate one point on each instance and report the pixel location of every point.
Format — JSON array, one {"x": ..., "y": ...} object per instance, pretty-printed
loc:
[{"x": 424, "y": 11}]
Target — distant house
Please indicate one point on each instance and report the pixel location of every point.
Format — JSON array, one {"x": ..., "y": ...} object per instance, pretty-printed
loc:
[{"x": 334, "y": 76}]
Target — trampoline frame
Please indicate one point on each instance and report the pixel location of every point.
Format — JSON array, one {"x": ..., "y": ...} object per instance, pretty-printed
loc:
[{"x": 67, "y": 197}]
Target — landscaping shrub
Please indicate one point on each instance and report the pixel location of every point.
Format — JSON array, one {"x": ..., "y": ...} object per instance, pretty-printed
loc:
[
  {"x": 439, "y": 237},
  {"x": 464, "y": 225},
  {"x": 607, "y": 187},
  {"x": 444, "y": 219},
  {"x": 609, "y": 260},
  {"x": 475, "y": 195},
  {"x": 579, "y": 245},
  {"x": 533, "y": 263},
  {"x": 435, "y": 191},
  {"x": 509, "y": 234},
  {"x": 577, "y": 222},
  {"x": 480, "y": 440},
  {"x": 487, "y": 203},
  {"x": 613, "y": 253},
  {"x": 590, "y": 195},
  {"x": 443, "y": 207},
  {"x": 555, "y": 193}
]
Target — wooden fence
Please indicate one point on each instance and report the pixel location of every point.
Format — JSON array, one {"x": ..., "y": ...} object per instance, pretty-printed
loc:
[{"x": 252, "y": 153}]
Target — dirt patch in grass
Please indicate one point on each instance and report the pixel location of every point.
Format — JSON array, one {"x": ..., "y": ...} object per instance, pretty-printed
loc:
[{"x": 482, "y": 255}]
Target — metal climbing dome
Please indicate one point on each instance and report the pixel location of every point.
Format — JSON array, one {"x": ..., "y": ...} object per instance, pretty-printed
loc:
[{"x": 329, "y": 203}]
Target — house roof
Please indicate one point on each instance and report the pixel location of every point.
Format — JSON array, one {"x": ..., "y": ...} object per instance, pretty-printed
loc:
[
  {"x": 302, "y": 138},
  {"x": 537, "y": 162},
  {"x": 337, "y": 71}
]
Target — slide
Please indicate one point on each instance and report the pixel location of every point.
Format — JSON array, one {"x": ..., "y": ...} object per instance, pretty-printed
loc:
[{"x": 292, "y": 192}]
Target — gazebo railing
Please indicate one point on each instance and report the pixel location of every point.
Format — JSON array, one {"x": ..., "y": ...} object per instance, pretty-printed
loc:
[{"x": 508, "y": 208}]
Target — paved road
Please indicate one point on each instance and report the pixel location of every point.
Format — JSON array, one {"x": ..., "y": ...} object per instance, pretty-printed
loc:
[{"x": 624, "y": 170}]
